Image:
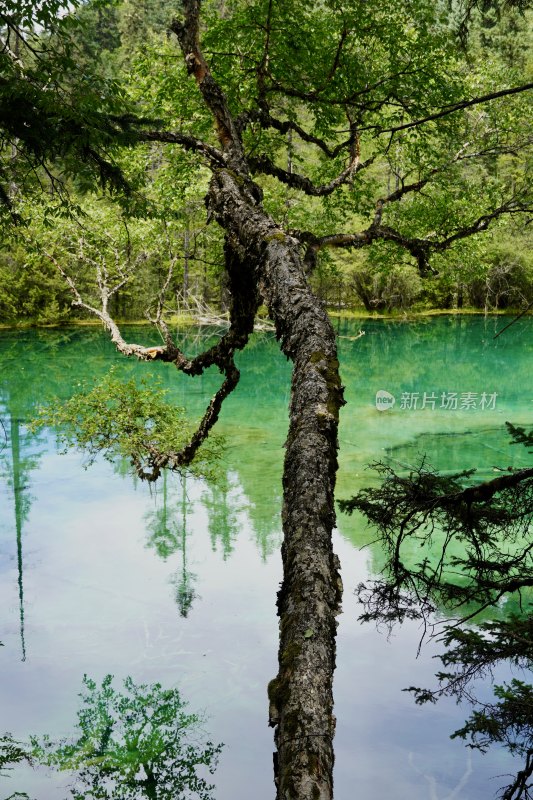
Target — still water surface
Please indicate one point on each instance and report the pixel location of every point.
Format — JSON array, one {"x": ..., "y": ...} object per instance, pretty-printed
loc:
[{"x": 99, "y": 574}]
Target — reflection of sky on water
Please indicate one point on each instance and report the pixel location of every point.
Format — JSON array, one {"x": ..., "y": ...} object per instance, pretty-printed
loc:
[
  {"x": 386, "y": 746},
  {"x": 98, "y": 599}
]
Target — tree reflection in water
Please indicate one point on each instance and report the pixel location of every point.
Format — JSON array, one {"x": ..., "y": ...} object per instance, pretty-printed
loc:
[
  {"x": 168, "y": 535},
  {"x": 137, "y": 744},
  {"x": 18, "y": 457},
  {"x": 12, "y": 752}
]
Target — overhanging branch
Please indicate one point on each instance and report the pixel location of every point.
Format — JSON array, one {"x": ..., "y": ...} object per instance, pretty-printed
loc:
[
  {"x": 177, "y": 460},
  {"x": 245, "y": 301},
  {"x": 420, "y": 248}
]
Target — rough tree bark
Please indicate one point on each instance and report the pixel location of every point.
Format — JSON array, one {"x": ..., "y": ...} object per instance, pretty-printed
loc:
[
  {"x": 264, "y": 262},
  {"x": 301, "y": 698}
]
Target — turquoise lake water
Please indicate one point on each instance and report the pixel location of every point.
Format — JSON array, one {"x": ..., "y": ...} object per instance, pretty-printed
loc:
[{"x": 101, "y": 574}]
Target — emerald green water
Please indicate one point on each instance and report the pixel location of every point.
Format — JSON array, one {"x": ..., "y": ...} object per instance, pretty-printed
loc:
[{"x": 100, "y": 575}]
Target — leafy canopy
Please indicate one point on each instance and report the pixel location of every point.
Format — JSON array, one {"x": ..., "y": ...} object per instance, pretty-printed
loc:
[{"x": 60, "y": 119}]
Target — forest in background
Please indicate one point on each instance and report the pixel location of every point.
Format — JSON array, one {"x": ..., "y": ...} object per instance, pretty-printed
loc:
[{"x": 162, "y": 224}]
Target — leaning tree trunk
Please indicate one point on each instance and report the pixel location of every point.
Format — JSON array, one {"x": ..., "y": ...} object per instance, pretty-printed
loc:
[{"x": 301, "y": 698}]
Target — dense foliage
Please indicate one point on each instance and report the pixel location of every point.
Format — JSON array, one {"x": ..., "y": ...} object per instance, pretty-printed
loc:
[{"x": 80, "y": 90}]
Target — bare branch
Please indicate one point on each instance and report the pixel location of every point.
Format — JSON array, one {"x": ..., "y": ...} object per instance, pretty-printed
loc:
[
  {"x": 515, "y": 319},
  {"x": 126, "y": 348},
  {"x": 158, "y": 319},
  {"x": 244, "y": 306}
]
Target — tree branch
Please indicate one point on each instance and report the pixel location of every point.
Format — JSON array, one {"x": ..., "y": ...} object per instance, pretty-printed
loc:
[
  {"x": 245, "y": 301},
  {"x": 176, "y": 460},
  {"x": 264, "y": 165},
  {"x": 214, "y": 156},
  {"x": 266, "y": 120},
  {"x": 188, "y": 34},
  {"x": 451, "y": 109},
  {"x": 421, "y": 249},
  {"x": 346, "y": 102},
  {"x": 481, "y": 224}
]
